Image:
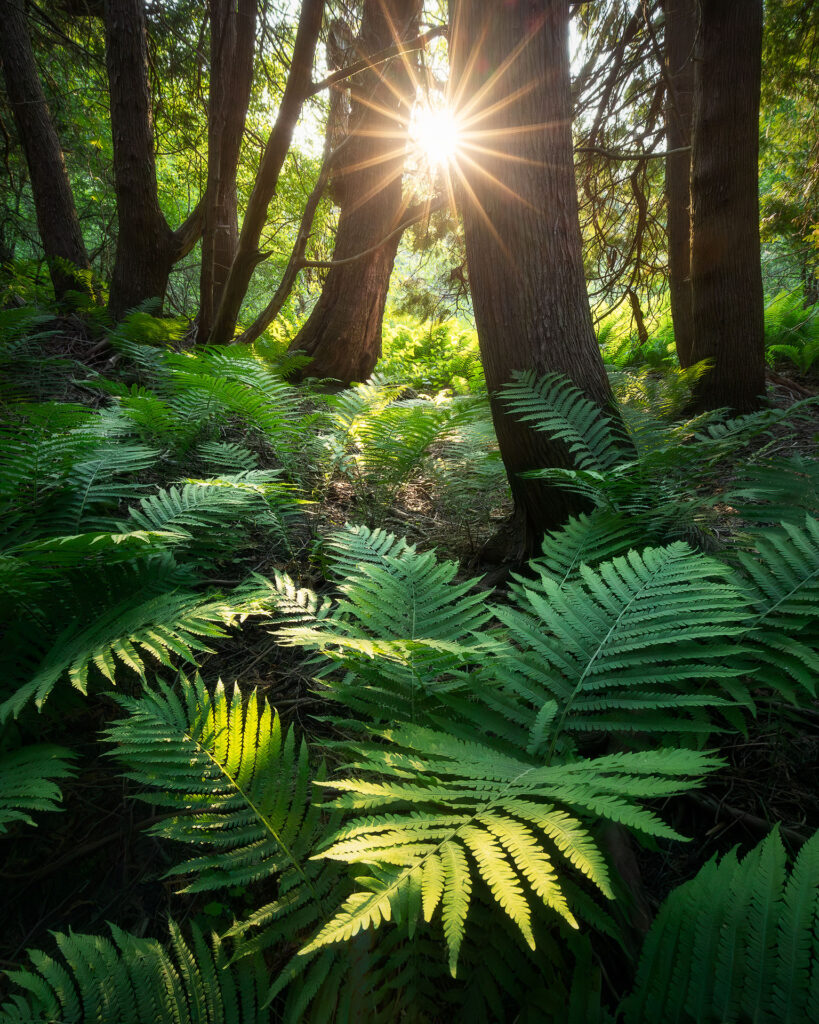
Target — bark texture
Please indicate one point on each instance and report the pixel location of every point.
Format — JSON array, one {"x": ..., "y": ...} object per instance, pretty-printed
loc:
[
  {"x": 681, "y": 24},
  {"x": 726, "y": 275},
  {"x": 298, "y": 88},
  {"x": 232, "y": 44},
  {"x": 511, "y": 66},
  {"x": 57, "y": 220},
  {"x": 343, "y": 333},
  {"x": 147, "y": 247}
]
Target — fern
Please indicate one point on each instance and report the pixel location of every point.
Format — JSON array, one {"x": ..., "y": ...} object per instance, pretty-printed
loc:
[
  {"x": 782, "y": 577},
  {"x": 27, "y": 782},
  {"x": 437, "y": 811},
  {"x": 737, "y": 942},
  {"x": 553, "y": 406},
  {"x": 629, "y": 645},
  {"x": 132, "y": 625},
  {"x": 137, "y": 981}
]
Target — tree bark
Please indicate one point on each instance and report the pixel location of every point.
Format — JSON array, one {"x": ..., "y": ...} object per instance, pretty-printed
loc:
[
  {"x": 298, "y": 88},
  {"x": 343, "y": 333},
  {"x": 511, "y": 67},
  {"x": 147, "y": 247},
  {"x": 57, "y": 220},
  {"x": 726, "y": 274},
  {"x": 681, "y": 23},
  {"x": 232, "y": 44}
]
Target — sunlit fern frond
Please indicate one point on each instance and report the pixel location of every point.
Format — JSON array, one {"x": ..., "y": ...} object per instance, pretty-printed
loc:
[
  {"x": 633, "y": 644},
  {"x": 401, "y": 623},
  {"x": 240, "y": 785},
  {"x": 553, "y": 405},
  {"x": 138, "y": 981},
  {"x": 27, "y": 781},
  {"x": 430, "y": 814},
  {"x": 227, "y": 456},
  {"x": 737, "y": 942}
]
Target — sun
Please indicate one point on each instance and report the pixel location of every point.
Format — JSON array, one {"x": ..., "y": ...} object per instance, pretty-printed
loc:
[{"x": 435, "y": 134}]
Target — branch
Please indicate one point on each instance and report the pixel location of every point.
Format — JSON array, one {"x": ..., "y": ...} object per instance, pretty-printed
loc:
[
  {"x": 189, "y": 231},
  {"x": 611, "y": 154},
  {"x": 415, "y": 213},
  {"x": 396, "y": 50}
]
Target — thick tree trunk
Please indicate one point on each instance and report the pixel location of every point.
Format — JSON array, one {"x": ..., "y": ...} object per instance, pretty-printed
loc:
[
  {"x": 145, "y": 249},
  {"x": 233, "y": 37},
  {"x": 726, "y": 275},
  {"x": 511, "y": 67},
  {"x": 343, "y": 333},
  {"x": 57, "y": 219},
  {"x": 299, "y": 82},
  {"x": 681, "y": 23}
]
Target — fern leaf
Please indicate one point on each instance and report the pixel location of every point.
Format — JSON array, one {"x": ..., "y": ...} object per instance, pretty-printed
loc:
[{"x": 27, "y": 782}]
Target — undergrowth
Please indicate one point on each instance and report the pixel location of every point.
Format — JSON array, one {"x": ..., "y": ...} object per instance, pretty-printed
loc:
[{"x": 429, "y": 836}]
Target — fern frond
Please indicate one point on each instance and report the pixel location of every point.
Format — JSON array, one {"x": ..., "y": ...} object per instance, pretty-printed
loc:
[
  {"x": 736, "y": 942},
  {"x": 552, "y": 405},
  {"x": 137, "y": 981},
  {"x": 475, "y": 811},
  {"x": 27, "y": 781},
  {"x": 634, "y": 636}
]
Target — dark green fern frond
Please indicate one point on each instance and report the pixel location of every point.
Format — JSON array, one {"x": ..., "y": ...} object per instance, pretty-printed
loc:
[
  {"x": 138, "y": 981},
  {"x": 586, "y": 539},
  {"x": 435, "y": 813},
  {"x": 783, "y": 587},
  {"x": 355, "y": 546},
  {"x": 737, "y": 942},
  {"x": 138, "y": 619},
  {"x": 27, "y": 781},
  {"x": 554, "y": 406},
  {"x": 631, "y": 645},
  {"x": 778, "y": 491}
]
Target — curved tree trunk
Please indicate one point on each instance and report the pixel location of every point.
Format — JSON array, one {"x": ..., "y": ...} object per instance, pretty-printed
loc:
[
  {"x": 726, "y": 274},
  {"x": 681, "y": 23},
  {"x": 343, "y": 333},
  {"x": 233, "y": 38},
  {"x": 147, "y": 247},
  {"x": 57, "y": 220},
  {"x": 521, "y": 223}
]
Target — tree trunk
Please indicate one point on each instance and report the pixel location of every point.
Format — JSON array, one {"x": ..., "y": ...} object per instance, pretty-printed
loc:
[
  {"x": 232, "y": 44},
  {"x": 521, "y": 224},
  {"x": 57, "y": 220},
  {"x": 147, "y": 247},
  {"x": 298, "y": 88},
  {"x": 343, "y": 333},
  {"x": 726, "y": 274},
  {"x": 681, "y": 23}
]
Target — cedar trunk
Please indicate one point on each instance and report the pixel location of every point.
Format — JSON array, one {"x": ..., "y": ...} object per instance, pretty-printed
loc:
[
  {"x": 233, "y": 37},
  {"x": 145, "y": 242},
  {"x": 726, "y": 274},
  {"x": 343, "y": 333},
  {"x": 521, "y": 224},
  {"x": 57, "y": 220},
  {"x": 681, "y": 22}
]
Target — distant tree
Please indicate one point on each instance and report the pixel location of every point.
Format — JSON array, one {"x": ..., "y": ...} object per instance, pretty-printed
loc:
[
  {"x": 510, "y": 62},
  {"x": 57, "y": 220},
  {"x": 343, "y": 333},
  {"x": 726, "y": 273}
]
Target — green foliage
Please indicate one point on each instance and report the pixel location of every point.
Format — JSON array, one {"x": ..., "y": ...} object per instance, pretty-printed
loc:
[
  {"x": 432, "y": 357},
  {"x": 737, "y": 942},
  {"x": 27, "y": 782},
  {"x": 792, "y": 331},
  {"x": 137, "y": 981}
]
